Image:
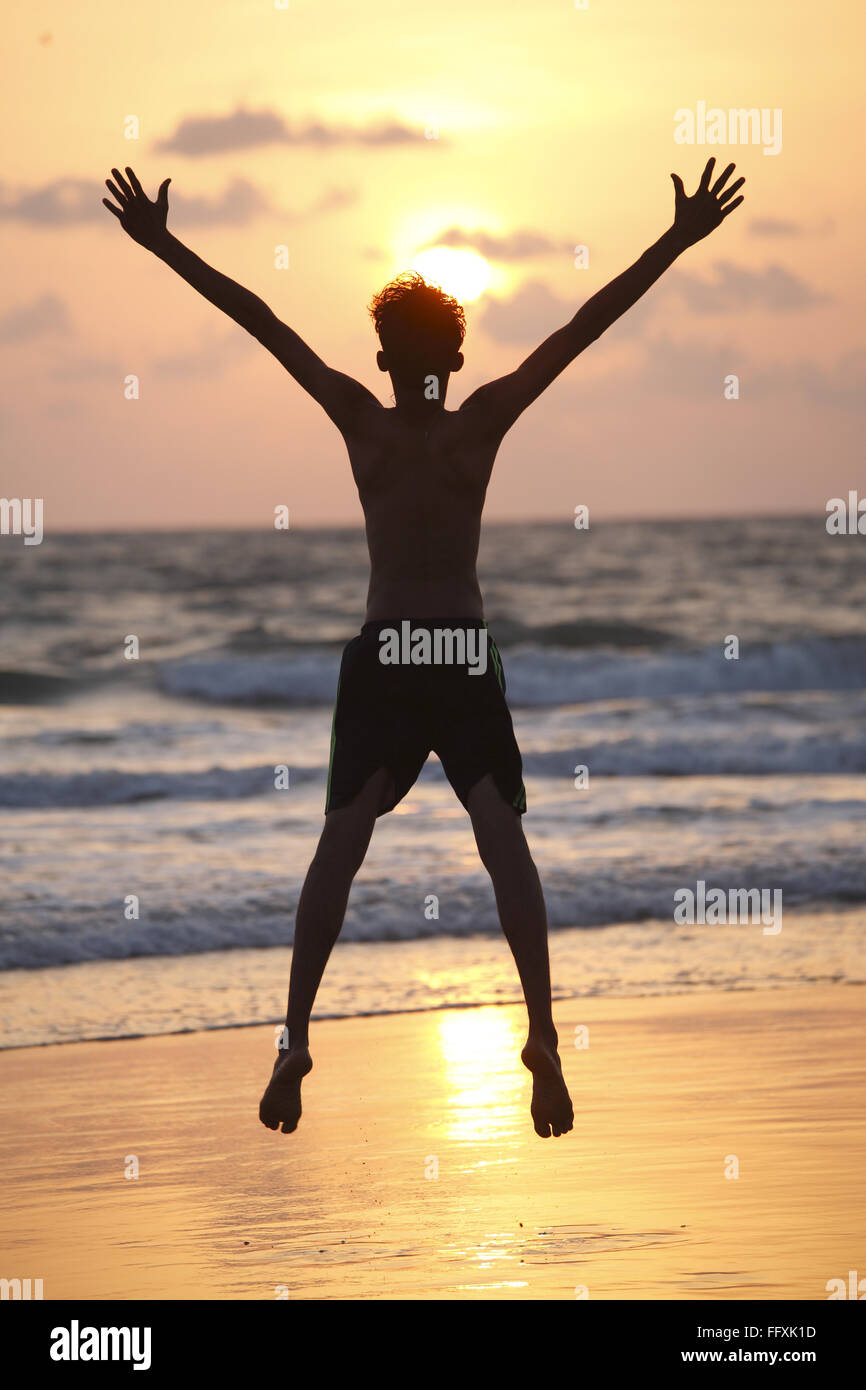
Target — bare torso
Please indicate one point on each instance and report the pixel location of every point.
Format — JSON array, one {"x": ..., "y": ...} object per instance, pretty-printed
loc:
[{"x": 422, "y": 485}]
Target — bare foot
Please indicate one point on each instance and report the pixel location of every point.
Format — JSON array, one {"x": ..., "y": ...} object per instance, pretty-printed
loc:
[
  {"x": 281, "y": 1102},
  {"x": 551, "y": 1104}
]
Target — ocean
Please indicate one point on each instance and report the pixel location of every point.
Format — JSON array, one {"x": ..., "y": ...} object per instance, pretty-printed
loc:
[{"x": 152, "y": 856}]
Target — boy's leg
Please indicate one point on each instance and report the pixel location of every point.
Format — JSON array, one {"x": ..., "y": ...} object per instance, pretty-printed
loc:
[
  {"x": 519, "y": 900},
  {"x": 321, "y": 907},
  {"x": 319, "y": 917}
]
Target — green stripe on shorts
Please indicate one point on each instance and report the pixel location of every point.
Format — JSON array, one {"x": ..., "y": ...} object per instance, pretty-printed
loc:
[
  {"x": 333, "y": 741},
  {"x": 497, "y": 662}
]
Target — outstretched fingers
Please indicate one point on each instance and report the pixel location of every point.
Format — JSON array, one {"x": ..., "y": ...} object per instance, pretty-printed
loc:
[
  {"x": 127, "y": 191},
  {"x": 136, "y": 186},
  {"x": 722, "y": 179},
  {"x": 731, "y": 206},
  {"x": 116, "y": 193},
  {"x": 729, "y": 192},
  {"x": 111, "y": 208},
  {"x": 707, "y": 174}
]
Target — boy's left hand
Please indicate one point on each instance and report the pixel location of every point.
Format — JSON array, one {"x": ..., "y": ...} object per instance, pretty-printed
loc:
[{"x": 697, "y": 216}]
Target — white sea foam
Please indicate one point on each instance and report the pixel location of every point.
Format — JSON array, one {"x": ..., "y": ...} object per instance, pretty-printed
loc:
[{"x": 545, "y": 676}]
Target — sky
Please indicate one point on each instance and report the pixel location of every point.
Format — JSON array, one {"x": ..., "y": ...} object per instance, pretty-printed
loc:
[{"x": 364, "y": 136}]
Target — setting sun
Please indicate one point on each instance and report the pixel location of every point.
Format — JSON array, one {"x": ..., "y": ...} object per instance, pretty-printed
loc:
[{"x": 464, "y": 274}]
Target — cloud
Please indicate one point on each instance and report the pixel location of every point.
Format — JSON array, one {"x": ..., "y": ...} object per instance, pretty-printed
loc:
[
  {"x": 212, "y": 357},
  {"x": 692, "y": 368},
  {"x": 56, "y": 204},
  {"x": 239, "y": 203},
  {"x": 199, "y": 136},
  {"x": 82, "y": 368},
  {"x": 532, "y": 313},
  {"x": 334, "y": 199},
  {"x": 736, "y": 287},
  {"x": 689, "y": 368},
  {"x": 774, "y": 226},
  {"x": 842, "y": 386},
  {"x": 69, "y": 202},
  {"x": 784, "y": 227},
  {"x": 515, "y": 246},
  {"x": 733, "y": 289},
  {"x": 47, "y": 314},
  {"x": 242, "y": 202}
]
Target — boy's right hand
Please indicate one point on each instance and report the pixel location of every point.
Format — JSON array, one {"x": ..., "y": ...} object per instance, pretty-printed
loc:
[{"x": 140, "y": 218}]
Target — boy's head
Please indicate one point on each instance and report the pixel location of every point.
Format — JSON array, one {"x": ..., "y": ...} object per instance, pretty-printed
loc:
[{"x": 420, "y": 327}]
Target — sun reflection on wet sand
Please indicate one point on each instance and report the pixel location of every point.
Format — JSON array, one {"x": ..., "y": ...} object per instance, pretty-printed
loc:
[
  {"x": 494, "y": 1251},
  {"x": 353, "y": 1208},
  {"x": 480, "y": 1051}
]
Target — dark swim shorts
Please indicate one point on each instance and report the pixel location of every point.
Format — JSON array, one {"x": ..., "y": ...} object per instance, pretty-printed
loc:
[{"x": 393, "y": 714}]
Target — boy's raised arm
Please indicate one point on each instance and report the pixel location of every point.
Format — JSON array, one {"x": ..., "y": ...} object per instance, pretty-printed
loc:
[
  {"x": 494, "y": 408},
  {"x": 341, "y": 397}
]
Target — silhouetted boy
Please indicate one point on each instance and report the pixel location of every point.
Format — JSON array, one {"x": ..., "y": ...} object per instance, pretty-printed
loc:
[{"x": 422, "y": 473}]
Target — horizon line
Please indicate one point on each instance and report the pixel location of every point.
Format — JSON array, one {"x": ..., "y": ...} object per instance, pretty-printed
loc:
[{"x": 608, "y": 519}]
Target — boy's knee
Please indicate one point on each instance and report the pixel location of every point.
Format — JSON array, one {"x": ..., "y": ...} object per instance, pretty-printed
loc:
[
  {"x": 335, "y": 861},
  {"x": 501, "y": 842},
  {"x": 342, "y": 845}
]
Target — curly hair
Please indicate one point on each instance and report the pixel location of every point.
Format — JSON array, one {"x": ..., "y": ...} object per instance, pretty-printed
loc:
[{"x": 411, "y": 307}]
